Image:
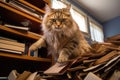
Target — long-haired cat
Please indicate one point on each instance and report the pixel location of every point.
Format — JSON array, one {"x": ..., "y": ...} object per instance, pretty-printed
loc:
[{"x": 62, "y": 36}]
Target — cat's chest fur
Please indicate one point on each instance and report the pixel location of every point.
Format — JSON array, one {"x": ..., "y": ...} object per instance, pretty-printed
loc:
[{"x": 56, "y": 40}]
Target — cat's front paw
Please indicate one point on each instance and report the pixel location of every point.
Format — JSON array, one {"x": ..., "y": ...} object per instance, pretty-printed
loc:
[
  {"x": 33, "y": 47},
  {"x": 62, "y": 58}
]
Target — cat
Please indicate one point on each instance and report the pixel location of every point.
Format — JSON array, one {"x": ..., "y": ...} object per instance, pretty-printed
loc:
[{"x": 62, "y": 36}]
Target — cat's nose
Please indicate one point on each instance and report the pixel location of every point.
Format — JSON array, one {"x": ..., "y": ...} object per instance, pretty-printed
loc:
[
  {"x": 58, "y": 27},
  {"x": 58, "y": 23}
]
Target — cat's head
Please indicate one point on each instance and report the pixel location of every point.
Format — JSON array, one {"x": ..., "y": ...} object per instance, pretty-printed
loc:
[{"x": 57, "y": 19}]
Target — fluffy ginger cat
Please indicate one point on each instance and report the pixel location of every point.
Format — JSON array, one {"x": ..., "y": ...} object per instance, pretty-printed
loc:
[{"x": 62, "y": 37}]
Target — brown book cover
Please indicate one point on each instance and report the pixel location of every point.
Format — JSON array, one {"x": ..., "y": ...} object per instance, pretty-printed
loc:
[
  {"x": 60, "y": 68},
  {"x": 57, "y": 69},
  {"x": 106, "y": 57}
]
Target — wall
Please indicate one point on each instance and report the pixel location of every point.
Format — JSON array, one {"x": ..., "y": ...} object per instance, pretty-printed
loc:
[
  {"x": 83, "y": 9},
  {"x": 112, "y": 27}
]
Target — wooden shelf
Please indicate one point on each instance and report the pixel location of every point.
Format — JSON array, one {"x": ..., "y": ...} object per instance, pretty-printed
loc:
[
  {"x": 32, "y": 6},
  {"x": 17, "y": 16},
  {"x": 28, "y": 35},
  {"x": 13, "y": 9},
  {"x": 11, "y": 55}
]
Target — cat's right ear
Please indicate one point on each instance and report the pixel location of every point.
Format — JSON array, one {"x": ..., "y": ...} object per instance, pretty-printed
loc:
[{"x": 47, "y": 8}]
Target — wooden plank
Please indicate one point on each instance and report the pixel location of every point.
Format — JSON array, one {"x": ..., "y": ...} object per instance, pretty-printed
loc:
[
  {"x": 113, "y": 38},
  {"x": 106, "y": 57},
  {"x": 32, "y": 6},
  {"x": 5, "y": 54},
  {"x": 28, "y": 35}
]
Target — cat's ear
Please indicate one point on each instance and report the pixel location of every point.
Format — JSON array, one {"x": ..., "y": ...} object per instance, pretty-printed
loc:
[
  {"x": 47, "y": 8},
  {"x": 68, "y": 6}
]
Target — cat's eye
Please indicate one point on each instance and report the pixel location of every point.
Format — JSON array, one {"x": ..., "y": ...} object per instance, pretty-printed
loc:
[
  {"x": 65, "y": 19},
  {"x": 54, "y": 20}
]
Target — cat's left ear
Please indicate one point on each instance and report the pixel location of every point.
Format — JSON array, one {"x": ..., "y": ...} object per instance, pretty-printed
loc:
[
  {"x": 68, "y": 6},
  {"x": 47, "y": 8}
]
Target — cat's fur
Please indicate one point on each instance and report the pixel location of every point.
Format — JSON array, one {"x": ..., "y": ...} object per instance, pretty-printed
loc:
[{"x": 62, "y": 36}]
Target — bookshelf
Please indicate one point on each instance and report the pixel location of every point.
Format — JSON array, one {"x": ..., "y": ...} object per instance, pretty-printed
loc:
[
  {"x": 12, "y": 14},
  {"x": 18, "y": 11}
]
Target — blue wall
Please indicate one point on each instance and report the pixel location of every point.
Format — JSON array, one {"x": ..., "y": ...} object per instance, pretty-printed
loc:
[{"x": 112, "y": 27}]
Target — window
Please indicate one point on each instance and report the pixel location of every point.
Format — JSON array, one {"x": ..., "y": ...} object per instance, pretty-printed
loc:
[
  {"x": 57, "y": 4},
  {"x": 80, "y": 19},
  {"x": 96, "y": 32}
]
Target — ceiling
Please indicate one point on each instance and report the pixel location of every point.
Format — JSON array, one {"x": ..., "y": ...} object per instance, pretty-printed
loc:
[{"x": 103, "y": 10}]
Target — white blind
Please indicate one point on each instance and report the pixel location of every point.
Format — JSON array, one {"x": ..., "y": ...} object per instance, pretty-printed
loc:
[
  {"x": 80, "y": 20},
  {"x": 96, "y": 33},
  {"x": 57, "y": 4}
]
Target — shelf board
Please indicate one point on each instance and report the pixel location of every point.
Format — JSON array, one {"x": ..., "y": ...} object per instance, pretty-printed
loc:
[
  {"x": 13, "y": 9},
  {"x": 28, "y": 35},
  {"x": 10, "y": 55},
  {"x": 32, "y": 6}
]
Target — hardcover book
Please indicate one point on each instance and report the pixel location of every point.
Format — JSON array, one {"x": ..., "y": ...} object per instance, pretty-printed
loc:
[{"x": 61, "y": 68}]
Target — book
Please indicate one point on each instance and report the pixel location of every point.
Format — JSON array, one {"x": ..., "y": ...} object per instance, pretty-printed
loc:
[
  {"x": 106, "y": 57},
  {"x": 11, "y": 47},
  {"x": 60, "y": 68},
  {"x": 3, "y": 78},
  {"x": 8, "y": 39},
  {"x": 24, "y": 75},
  {"x": 17, "y": 27},
  {"x": 109, "y": 63},
  {"x": 24, "y": 8},
  {"x": 12, "y": 43},
  {"x": 92, "y": 76},
  {"x": 93, "y": 67},
  {"x": 33, "y": 53},
  {"x": 11, "y": 51},
  {"x": 57, "y": 69},
  {"x": 13, "y": 75}
]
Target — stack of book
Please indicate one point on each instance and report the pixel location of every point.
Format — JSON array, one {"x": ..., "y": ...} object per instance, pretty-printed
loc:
[
  {"x": 12, "y": 46},
  {"x": 18, "y": 5},
  {"x": 101, "y": 64}
]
